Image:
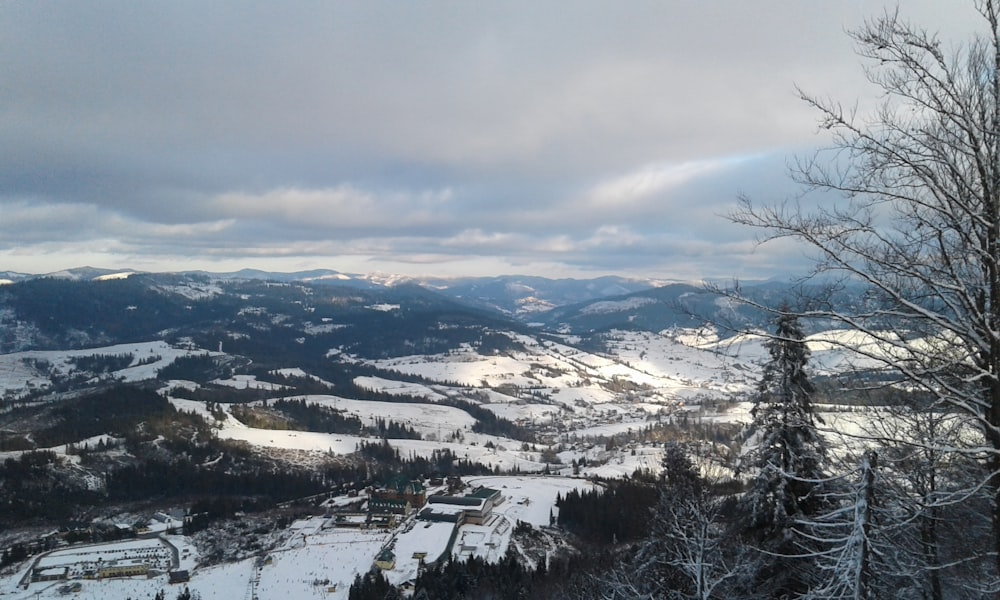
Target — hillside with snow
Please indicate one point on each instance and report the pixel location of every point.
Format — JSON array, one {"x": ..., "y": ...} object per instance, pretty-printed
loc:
[{"x": 264, "y": 413}]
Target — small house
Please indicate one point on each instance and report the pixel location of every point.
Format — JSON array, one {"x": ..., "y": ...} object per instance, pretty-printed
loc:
[{"x": 179, "y": 576}]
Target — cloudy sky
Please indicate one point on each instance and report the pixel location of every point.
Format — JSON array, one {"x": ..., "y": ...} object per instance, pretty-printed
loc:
[{"x": 572, "y": 138}]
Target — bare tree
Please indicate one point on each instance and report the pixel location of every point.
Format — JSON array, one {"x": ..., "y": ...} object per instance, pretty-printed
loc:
[
  {"x": 930, "y": 525},
  {"x": 846, "y": 557},
  {"x": 690, "y": 553},
  {"x": 918, "y": 218}
]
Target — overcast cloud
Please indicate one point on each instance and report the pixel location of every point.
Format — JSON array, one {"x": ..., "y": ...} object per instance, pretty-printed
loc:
[{"x": 571, "y": 138}]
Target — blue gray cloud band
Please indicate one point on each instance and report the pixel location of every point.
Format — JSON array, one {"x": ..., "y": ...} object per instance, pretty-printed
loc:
[{"x": 552, "y": 138}]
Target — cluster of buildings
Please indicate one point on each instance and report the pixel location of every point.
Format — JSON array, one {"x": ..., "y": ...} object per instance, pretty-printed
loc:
[
  {"x": 450, "y": 510},
  {"x": 390, "y": 504},
  {"x": 104, "y": 561}
]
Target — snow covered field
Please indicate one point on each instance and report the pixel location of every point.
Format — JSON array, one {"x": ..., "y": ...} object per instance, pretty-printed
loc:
[
  {"x": 427, "y": 419},
  {"x": 346, "y": 444},
  {"x": 529, "y": 498},
  {"x": 22, "y": 372},
  {"x": 244, "y": 382}
]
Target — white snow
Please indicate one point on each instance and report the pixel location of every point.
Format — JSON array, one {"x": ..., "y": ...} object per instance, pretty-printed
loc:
[
  {"x": 345, "y": 444},
  {"x": 114, "y": 276},
  {"x": 195, "y": 290},
  {"x": 63, "y": 449},
  {"x": 534, "y": 413},
  {"x": 384, "y": 307},
  {"x": 418, "y": 537},
  {"x": 426, "y": 419},
  {"x": 19, "y": 376},
  {"x": 243, "y": 382},
  {"x": 397, "y": 388},
  {"x": 529, "y": 498},
  {"x": 609, "y": 306}
]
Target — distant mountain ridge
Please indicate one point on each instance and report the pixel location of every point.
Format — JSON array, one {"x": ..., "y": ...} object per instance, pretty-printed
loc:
[
  {"x": 91, "y": 305},
  {"x": 510, "y": 294}
]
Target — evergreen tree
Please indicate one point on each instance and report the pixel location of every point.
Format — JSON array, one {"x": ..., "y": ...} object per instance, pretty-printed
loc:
[{"x": 785, "y": 460}]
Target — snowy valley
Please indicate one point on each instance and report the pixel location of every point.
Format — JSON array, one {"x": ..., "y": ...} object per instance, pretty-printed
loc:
[{"x": 352, "y": 393}]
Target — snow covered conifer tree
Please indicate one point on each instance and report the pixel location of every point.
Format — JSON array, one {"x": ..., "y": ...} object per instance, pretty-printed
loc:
[{"x": 785, "y": 460}]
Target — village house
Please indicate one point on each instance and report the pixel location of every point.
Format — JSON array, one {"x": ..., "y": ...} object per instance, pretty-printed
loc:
[
  {"x": 386, "y": 560},
  {"x": 179, "y": 576}
]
